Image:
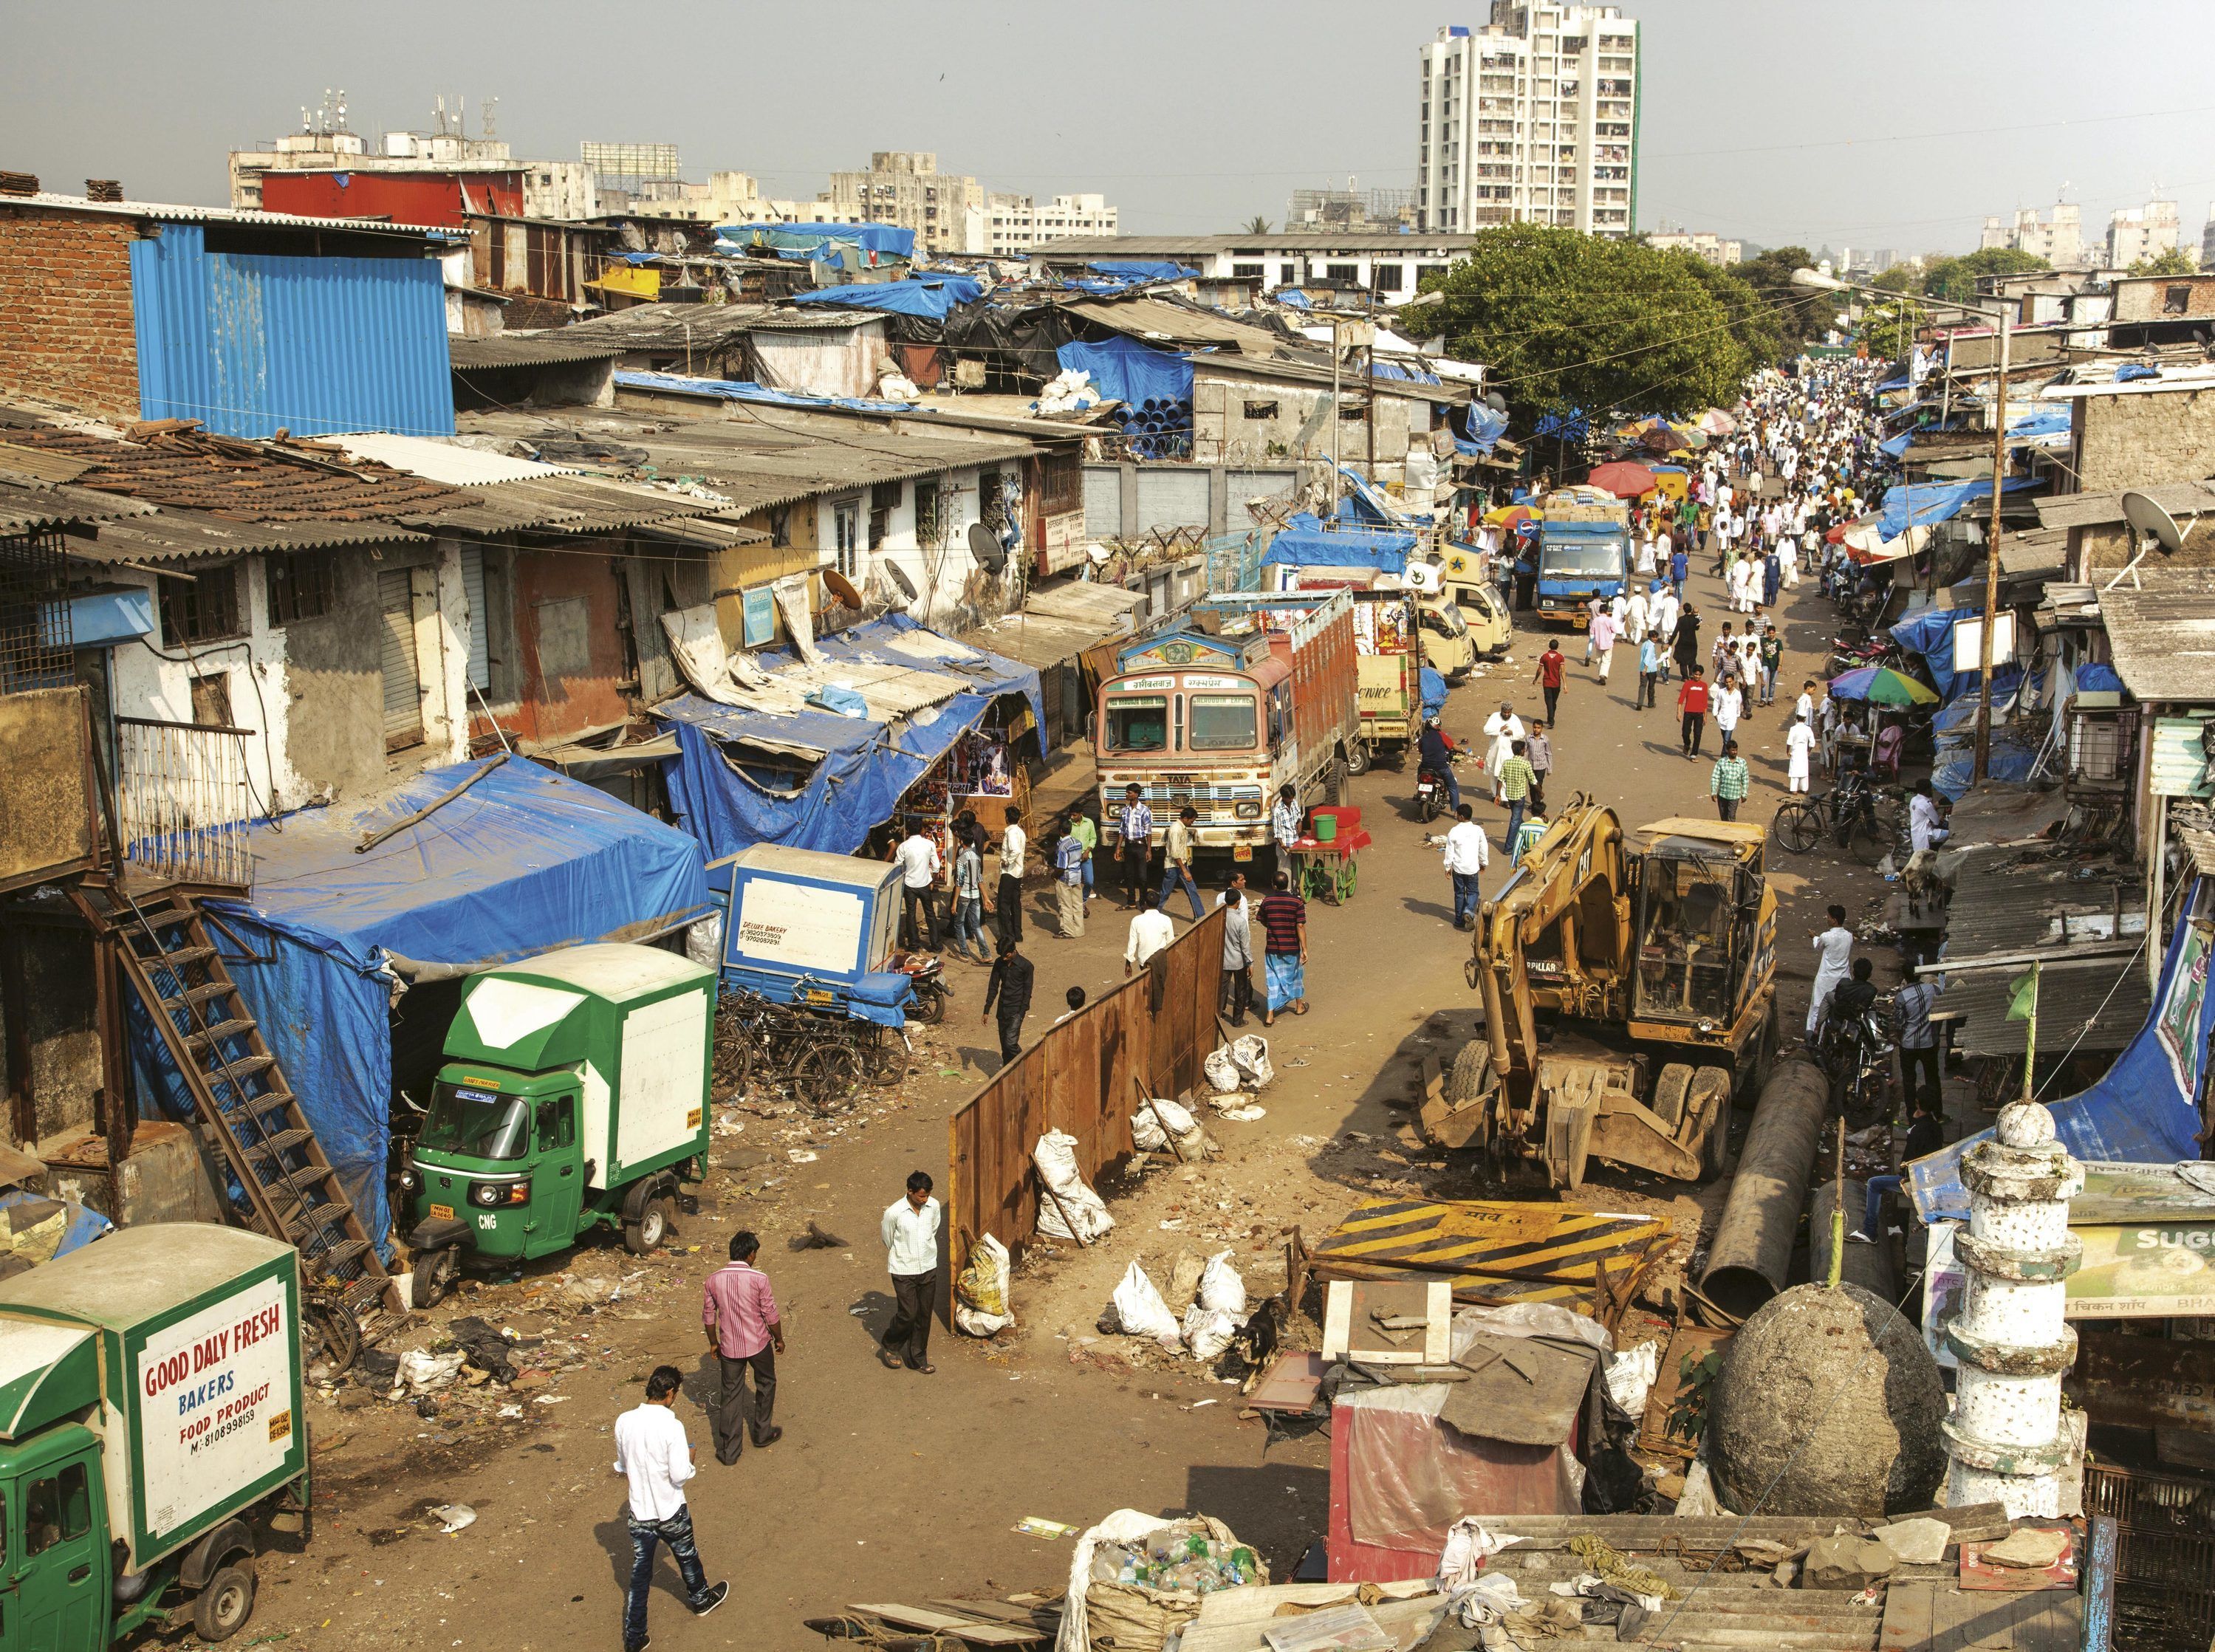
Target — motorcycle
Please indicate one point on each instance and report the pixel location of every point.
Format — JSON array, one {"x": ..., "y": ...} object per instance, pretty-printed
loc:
[
  {"x": 1856, "y": 1054},
  {"x": 1430, "y": 794},
  {"x": 926, "y": 975}
]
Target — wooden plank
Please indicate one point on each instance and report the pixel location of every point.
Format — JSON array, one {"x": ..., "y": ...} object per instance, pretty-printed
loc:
[
  {"x": 2100, "y": 1585},
  {"x": 940, "y": 1622},
  {"x": 996, "y": 1612}
]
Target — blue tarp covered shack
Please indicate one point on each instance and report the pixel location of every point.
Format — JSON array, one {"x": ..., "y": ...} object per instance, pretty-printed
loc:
[
  {"x": 525, "y": 860},
  {"x": 813, "y": 779},
  {"x": 930, "y": 296},
  {"x": 1305, "y": 542},
  {"x": 1124, "y": 369},
  {"x": 1924, "y": 503},
  {"x": 2145, "y": 1109}
]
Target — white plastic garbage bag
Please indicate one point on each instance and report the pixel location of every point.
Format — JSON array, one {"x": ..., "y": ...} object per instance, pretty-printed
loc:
[
  {"x": 1629, "y": 1378},
  {"x": 1207, "y": 1332},
  {"x": 981, "y": 1302},
  {"x": 1185, "y": 1135},
  {"x": 1468, "y": 1546},
  {"x": 1251, "y": 1056},
  {"x": 1066, "y": 1198},
  {"x": 1140, "y": 1312},
  {"x": 421, "y": 1373},
  {"x": 1221, "y": 1290},
  {"x": 1221, "y": 1071}
]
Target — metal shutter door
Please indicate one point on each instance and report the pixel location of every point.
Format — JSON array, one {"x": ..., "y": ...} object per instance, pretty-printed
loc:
[
  {"x": 403, "y": 690},
  {"x": 473, "y": 593}
]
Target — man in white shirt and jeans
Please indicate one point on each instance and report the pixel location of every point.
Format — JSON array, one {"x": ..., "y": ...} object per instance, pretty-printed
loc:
[
  {"x": 653, "y": 1453},
  {"x": 1467, "y": 855},
  {"x": 909, "y": 1231},
  {"x": 919, "y": 865}
]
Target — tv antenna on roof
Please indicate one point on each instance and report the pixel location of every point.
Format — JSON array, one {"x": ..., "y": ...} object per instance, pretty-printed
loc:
[{"x": 2154, "y": 529}]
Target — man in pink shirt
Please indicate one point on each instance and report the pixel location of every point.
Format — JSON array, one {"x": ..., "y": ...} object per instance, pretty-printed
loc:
[
  {"x": 739, "y": 1312},
  {"x": 1602, "y": 638}
]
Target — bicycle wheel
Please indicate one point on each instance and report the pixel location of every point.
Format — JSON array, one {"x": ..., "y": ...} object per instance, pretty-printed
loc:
[
  {"x": 880, "y": 1059},
  {"x": 1799, "y": 826},
  {"x": 824, "y": 1075}
]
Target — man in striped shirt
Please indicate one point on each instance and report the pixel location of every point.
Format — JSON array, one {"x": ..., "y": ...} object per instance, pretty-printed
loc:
[
  {"x": 1134, "y": 824},
  {"x": 1728, "y": 784}
]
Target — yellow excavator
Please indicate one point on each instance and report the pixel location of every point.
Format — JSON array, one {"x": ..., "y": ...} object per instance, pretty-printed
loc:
[{"x": 1629, "y": 990}]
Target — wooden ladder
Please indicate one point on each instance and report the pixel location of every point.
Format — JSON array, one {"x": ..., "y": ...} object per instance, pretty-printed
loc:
[{"x": 285, "y": 1187}]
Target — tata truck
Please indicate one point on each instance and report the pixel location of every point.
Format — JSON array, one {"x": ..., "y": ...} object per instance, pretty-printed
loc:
[
  {"x": 1388, "y": 653},
  {"x": 151, "y": 1432},
  {"x": 1583, "y": 549},
  {"x": 1242, "y": 694},
  {"x": 573, "y": 1095}
]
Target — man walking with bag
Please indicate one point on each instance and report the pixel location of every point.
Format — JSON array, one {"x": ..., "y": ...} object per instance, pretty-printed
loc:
[{"x": 739, "y": 1310}]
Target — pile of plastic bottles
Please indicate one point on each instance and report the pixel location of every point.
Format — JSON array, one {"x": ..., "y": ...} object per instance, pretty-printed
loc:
[{"x": 1172, "y": 1559}]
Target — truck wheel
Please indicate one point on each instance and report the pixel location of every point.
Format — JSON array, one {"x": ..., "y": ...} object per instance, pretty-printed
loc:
[
  {"x": 641, "y": 1237},
  {"x": 221, "y": 1609},
  {"x": 434, "y": 1275},
  {"x": 1357, "y": 758}
]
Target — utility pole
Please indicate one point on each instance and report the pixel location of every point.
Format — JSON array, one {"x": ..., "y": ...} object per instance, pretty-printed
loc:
[
  {"x": 1337, "y": 411},
  {"x": 1991, "y": 620}
]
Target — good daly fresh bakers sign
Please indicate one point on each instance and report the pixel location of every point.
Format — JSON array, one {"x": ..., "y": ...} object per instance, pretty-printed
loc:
[{"x": 215, "y": 1401}]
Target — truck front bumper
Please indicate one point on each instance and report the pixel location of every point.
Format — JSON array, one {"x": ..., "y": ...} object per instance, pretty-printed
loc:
[{"x": 437, "y": 1232}]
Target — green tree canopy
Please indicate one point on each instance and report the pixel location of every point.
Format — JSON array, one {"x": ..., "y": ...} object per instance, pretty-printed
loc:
[
  {"x": 1756, "y": 325},
  {"x": 1900, "y": 278},
  {"x": 1955, "y": 278},
  {"x": 1569, "y": 320},
  {"x": 1797, "y": 313},
  {"x": 1257, "y": 225},
  {"x": 1888, "y": 326},
  {"x": 2170, "y": 261}
]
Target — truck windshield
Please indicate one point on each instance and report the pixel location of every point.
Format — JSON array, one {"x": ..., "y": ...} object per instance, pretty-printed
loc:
[
  {"x": 1595, "y": 559},
  {"x": 477, "y": 1123},
  {"x": 1138, "y": 722},
  {"x": 1450, "y": 618},
  {"x": 1221, "y": 722}
]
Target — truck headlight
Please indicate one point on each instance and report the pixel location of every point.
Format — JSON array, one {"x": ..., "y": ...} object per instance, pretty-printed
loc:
[
  {"x": 1247, "y": 811},
  {"x": 490, "y": 1195}
]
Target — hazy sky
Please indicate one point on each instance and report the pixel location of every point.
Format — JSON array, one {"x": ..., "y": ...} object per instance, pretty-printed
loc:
[{"x": 1888, "y": 123}]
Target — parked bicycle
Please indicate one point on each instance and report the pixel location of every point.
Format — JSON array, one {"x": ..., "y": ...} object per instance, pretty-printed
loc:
[
  {"x": 819, "y": 1058},
  {"x": 1863, "y": 819}
]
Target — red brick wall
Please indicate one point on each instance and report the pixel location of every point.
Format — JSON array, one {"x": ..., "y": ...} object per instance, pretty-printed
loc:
[{"x": 66, "y": 326}]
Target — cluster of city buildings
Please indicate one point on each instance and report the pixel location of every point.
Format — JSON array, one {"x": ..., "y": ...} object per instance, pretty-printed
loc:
[{"x": 2134, "y": 234}]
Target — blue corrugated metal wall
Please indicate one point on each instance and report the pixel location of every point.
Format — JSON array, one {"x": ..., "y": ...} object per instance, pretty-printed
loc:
[{"x": 250, "y": 343}]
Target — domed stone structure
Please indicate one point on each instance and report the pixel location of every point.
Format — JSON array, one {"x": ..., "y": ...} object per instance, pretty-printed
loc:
[{"x": 1828, "y": 1403}]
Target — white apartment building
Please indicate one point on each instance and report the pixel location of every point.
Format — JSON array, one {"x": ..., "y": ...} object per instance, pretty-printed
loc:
[
  {"x": 551, "y": 189},
  {"x": 1531, "y": 117},
  {"x": 1701, "y": 243},
  {"x": 2136, "y": 232},
  {"x": 2059, "y": 238},
  {"x": 904, "y": 188},
  {"x": 1015, "y": 224}
]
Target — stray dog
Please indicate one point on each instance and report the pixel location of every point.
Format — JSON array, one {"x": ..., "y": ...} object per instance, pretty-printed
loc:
[{"x": 1258, "y": 1339}]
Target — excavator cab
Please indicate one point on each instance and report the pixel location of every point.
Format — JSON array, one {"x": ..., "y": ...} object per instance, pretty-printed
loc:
[{"x": 1694, "y": 931}]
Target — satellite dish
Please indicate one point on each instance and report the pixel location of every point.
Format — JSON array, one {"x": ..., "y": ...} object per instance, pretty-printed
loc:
[
  {"x": 1495, "y": 400},
  {"x": 840, "y": 587},
  {"x": 984, "y": 545},
  {"x": 2156, "y": 528},
  {"x": 2152, "y": 522},
  {"x": 900, "y": 579}
]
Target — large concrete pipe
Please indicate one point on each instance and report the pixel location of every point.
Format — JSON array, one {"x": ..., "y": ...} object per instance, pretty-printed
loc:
[
  {"x": 1868, "y": 1266},
  {"x": 1752, "y": 1246}
]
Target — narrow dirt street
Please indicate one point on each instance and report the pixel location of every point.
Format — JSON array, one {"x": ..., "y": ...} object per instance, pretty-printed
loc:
[{"x": 889, "y": 1486}]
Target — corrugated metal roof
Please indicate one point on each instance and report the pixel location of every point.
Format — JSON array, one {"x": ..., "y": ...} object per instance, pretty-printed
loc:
[
  {"x": 250, "y": 344},
  {"x": 582, "y": 504},
  {"x": 1308, "y": 372},
  {"x": 1038, "y": 640},
  {"x": 2162, "y": 637},
  {"x": 756, "y": 461},
  {"x": 2179, "y": 499},
  {"x": 1196, "y": 246},
  {"x": 169, "y": 533},
  {"x": 2024, "y": 897},
  {"x": 527, "y": 350},
  {"x": 1109, "y": 606},
  {"x": 435, "y": 460},
  {"x": 677, "y": 327},
  {"x": 26, "y": 507},
  {"x": 706, "y": 532},
  {"x": 2177, "y": 764},
  {"x": 1157, "y": 319},
  {"x": 172, "y": 212}
]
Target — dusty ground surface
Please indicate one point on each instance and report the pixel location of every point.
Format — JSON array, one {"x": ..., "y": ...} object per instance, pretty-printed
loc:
[{"x": 890, "y": 1486}]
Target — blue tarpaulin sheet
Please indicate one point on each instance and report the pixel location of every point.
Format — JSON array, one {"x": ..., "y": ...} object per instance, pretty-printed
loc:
[
  {"x": 1364, "y": 503},
  {"x": 1481, "y": 429},
  {"x": 745, "y": 389},
  {"x": 1124, "y": 370},
  {"x": 2145, "y": 1110},
  {"x": 2095, "y": 678},
  {"x": 1935, "y": 501},
  {"x": 1896, "y": 446},
  {"x": 1432, "y": 689},
  {"x": 1898, "y": 384},
  {"x": 1142, "y": 269},
  {"x": 1570, "y": 427},
  {"x": 2041, "y": 422},
  {"x": 525, "y": 860},
  {"x": 858, "y": 769},
  {"x": 1305, "y": 542},
  {"x": 883, "y": 239},
  {"x": 1400, "y": 370},
  {"x": 932, "y": 296}
]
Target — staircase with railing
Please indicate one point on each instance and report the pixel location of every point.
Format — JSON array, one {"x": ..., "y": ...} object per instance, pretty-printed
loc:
[{"x": 183, "y": 802}]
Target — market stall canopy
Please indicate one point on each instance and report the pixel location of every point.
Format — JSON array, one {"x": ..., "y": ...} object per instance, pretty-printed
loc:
[
  {"x": 1881, "y": 686},
  {"x": 778, "y": 769},
  {"x": 1624, "y": 479},
  {"x": 523, "y": 861},
  {"x": 1932, "y": 503},
  {"x": 1304, "y": 541},
  {"x": 1715, "y": 422}
]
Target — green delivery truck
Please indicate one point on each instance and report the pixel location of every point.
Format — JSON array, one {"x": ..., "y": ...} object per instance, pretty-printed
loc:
[
  {"x": 149, "y": 1416},
  {"x": 575, "y": 1093}
]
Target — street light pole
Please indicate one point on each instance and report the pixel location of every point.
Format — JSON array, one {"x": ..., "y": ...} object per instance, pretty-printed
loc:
[{"x": 1992, "y": 621}]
